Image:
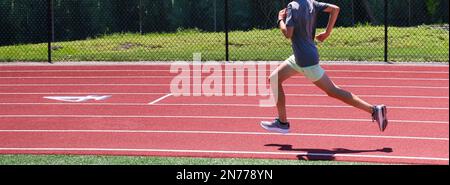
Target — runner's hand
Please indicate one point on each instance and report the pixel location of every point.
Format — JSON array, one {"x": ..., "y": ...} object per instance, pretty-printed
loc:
[
  {"x": 282, "y": 14},
  {"x": 322, "y": 36}
]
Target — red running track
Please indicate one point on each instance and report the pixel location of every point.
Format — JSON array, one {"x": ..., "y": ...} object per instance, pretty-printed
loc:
[{"x": 125, "y": 123}]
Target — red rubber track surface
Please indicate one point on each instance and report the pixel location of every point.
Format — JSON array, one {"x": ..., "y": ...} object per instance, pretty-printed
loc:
[{"x": 200, "y": 126}]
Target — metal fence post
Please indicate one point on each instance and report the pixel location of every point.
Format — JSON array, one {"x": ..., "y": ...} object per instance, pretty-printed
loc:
[
  {"x": 353, "y": 13},
  {"x": 49, "y": 29},
  {"x": 386, "y": 29},
  {"x": 226, "y": 18},
  {"x": 215, "y": 15},
  {"x": 141, "y": 17}
]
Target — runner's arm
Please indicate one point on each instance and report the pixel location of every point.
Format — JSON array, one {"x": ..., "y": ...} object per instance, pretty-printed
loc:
[
  {"x": 286, "y": 30},
  {"x": 333, "y": 10}
]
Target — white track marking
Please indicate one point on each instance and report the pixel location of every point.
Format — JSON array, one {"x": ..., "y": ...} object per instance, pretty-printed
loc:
[
  {"x": 159, "y": 99},
  {"x": 169, "y": 63},
  {"x": 211, "y": 117},
  {"x": 226, "y": 152},
  {"x": 170, "y": 77},
  {"x": 303, "y": 106},
  {"x": 77, "y": 99},
  {"x": 164, "y": 85},
  {"x": 225, "y": 133},
  {"x": 168, "y": 70},
  {"x": 155, "y": 103},
  {"x": 296, "y": 95},
  {"x": 376, "y": 96}
]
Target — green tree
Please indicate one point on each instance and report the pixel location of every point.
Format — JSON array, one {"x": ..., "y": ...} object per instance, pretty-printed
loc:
[
  {"x": 6, "y": 31},
  {"x": 99, "y": 17},
  {"x": 156, "y": 15}
]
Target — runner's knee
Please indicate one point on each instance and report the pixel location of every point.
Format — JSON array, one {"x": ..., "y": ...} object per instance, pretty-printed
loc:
[
  {"x": 334, "y": 92},
  {"x": 339, "y": 93},
  {"x": 274, "y": 77}
]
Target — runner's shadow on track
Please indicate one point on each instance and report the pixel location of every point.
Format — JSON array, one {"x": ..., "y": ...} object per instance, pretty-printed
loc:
[{"x": 323, "y": 154}]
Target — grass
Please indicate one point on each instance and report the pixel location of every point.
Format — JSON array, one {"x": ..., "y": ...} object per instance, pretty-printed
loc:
[
  {"x": 136, "y": 160},
  {"x": 362, "y": 43}
]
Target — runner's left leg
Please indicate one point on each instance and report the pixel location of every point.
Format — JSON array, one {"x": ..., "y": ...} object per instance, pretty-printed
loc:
[{"x": 281, "y": 74}]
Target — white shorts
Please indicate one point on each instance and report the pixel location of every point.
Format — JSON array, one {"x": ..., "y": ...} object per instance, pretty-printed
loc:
[{"x": 313, "y": 73}]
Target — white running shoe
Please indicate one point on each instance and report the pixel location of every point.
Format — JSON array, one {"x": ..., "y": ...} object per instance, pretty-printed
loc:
[
  {"x": 380, "y": 116},
  {"x": 276, "y": 126}
]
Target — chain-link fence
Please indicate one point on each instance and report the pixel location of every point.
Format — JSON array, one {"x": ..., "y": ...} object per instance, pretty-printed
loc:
[
  {"x": 23, "y": 25},
  {"x": 237, "y": 30},
  {"x": 416, "y": 32}
]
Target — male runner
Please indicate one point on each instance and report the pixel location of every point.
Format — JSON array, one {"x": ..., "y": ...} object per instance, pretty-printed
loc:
[{"x": 298, "y": 23}]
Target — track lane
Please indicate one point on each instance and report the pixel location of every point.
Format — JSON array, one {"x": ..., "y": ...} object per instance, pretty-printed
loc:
[
  {"x": 363, "y": 128},
  {"x": 168, "y": 80},
  {"x": 152, "y": 88},
  {"x": 298, "y": 100},
  {"x": 167, "y": 110},
  {"x": 366, "y": 149}
]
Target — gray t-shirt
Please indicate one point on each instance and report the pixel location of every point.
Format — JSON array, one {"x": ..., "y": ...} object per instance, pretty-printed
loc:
[{"x": 302, "y": 15}]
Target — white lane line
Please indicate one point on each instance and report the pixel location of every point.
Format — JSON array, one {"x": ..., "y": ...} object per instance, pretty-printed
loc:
[
  {"x": 170, "y": 77},
  {"x": 226, "y": 152},
  {"x": 164, "y": 85},
  {"x": 223, "y": 132},
  {"x": 381, "y": 71},
  {"x": 155, "y": 103},
  {"x": 375, "y": 96},
  {"x": 151, "y": 93},
  {"x": 351, "y": 64},
  {"x": 159, "y": 99},
  {"x": 224, "y": 70},
  {"x": 211, "y": 117},
  {"x": 302, "y": 106}
]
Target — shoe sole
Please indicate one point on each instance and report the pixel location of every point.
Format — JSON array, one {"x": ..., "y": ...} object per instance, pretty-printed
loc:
[
  {"x": 277, "y": 130},
  {"x": 384, "y": 122}
]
